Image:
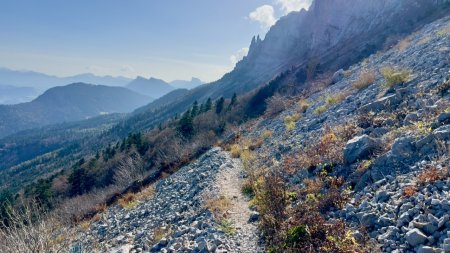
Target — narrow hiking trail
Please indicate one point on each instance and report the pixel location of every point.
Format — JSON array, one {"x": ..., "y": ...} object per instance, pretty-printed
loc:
[
  {"x": 228, "y": 184},
  {"x": 176, "y": 217}
]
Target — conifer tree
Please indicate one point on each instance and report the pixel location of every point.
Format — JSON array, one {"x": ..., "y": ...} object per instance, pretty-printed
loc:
[
  {"x": 219, "y": 105},
  {"x": 185, "y": 125},
  {"x": 195, "y": 110},
  {"x": 208, "y": 105}
]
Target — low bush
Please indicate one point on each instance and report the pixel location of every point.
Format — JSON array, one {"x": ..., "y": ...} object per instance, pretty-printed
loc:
[
  {"x": 395, "y": 76},
  {"x": 275, "y": 105},
  {"x": 409, "y": 191},
  {"x": 306, "y": 229},
  {"x": 432, "y": 174}
]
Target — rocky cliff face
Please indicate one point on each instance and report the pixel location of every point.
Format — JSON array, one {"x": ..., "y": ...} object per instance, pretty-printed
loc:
[{"x": 333, "y": 34}]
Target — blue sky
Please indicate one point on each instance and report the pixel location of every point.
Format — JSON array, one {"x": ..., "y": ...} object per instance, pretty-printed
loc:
[{"x": 169, "y": 39}]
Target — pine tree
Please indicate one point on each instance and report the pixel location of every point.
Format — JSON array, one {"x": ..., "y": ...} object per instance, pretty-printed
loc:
[
  {"x": 185, "y": 125},
  {"x": 195, "y": 110},
  {"x": 219, "y": 105},
  {"x": 202, "y": 108},
  {"x": 80, "y": 182},
  {"x": 208, "y": 105},
  {"x": 233, "y": 102}
]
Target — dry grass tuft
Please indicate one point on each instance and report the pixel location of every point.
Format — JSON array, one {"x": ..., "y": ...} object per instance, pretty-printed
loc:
[
  {"x": 219, "y": 207},
  {"x": 235, "y": 150},
  {"x": 146, "y": 193},
  {"x": 366, "y": 78},
  {"x": 403, "y": 44},
  {"x": 303, "y": 105},
  {"x": 424, "y": 40},
  {"x": 160, "y": 232},
  {"x": 267, "y": 134},
  {"x": 291, "y": 120},
  {"x": 128, "y": 201}
]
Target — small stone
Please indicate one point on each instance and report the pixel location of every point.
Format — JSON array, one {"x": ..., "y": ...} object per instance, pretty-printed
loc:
[{"x": 254, "y": 216}]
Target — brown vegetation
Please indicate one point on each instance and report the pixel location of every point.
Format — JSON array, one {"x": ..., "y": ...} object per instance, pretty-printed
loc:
[
  {"x": 366, "y": 78},
  {"x": 432, "y": 174},
  {"x": 409, "y": 191},
  {"x": 32, "y": 229}
]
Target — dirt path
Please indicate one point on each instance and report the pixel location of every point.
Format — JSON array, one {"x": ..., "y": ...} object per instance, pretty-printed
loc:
[{"x": 228, "y": 184}]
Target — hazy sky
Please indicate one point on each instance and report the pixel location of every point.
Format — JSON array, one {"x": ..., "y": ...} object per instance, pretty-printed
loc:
[{"x": 169, "y": 39}]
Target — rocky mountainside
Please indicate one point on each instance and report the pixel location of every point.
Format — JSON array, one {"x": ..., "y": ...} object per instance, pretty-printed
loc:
[
  {"x": 329, "y": 36},
  {"x": 382, "y": 127},
  {"x": 402, "y": 137},
  {"x": 68, "y": 103}
]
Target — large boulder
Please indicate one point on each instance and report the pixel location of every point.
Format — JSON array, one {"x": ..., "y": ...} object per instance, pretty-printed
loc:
[
  {"x": 415, "y": 237},
  {"x": 442, "y": 133},
  {"x": 359, "y": 148},
  {"x": 444, "y": 118},
  {"x": 387, "y": 103},
  {"x": 338, "y": 76},
  {"x": 404, "y": 147}
]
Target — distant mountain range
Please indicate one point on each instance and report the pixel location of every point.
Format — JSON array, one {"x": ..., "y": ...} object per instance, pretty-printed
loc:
[
  {"x": 181, "y": 84},
  {"x": 23, "y": 86},
  {"x": 69, "y": 103},
  {"x": 156, "y": 88},
  {"x": 150, "y": 87},
  {"x": 42, "y": 82}
]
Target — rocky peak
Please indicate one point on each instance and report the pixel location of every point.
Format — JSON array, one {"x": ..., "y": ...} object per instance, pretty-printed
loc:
[{"x": 335, "y": 33}]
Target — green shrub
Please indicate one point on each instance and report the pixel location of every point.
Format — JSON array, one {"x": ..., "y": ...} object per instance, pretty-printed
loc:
[
  {"x": 227, "y": 227},
  {"x": 321, "y": 109},
  {"x": 290, "y": 121},
  {"x": 296, "y": 233},
  {"x": 395, "y": 76},
  {"x": 267, "y": 134}
]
